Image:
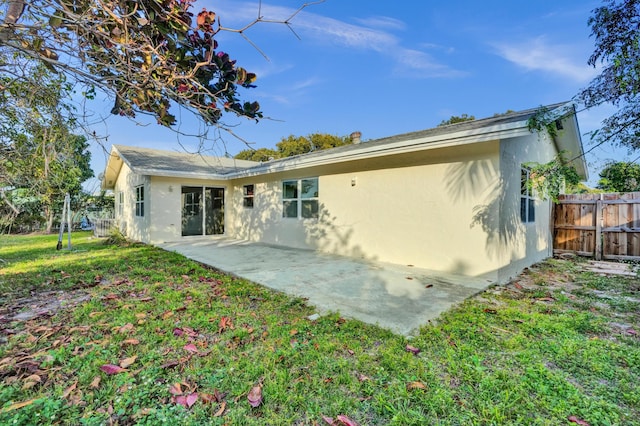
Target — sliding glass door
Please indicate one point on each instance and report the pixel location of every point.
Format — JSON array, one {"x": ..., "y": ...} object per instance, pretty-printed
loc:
[{"x": 202, "y": 210}]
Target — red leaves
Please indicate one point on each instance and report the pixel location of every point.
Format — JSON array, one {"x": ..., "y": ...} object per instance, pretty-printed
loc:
[
  {"x": 112, "y": 369},
  {"x": 340, "y": 420},
  {"x": 225, "y": 322},
  {"x": 191, "y": 348},
  {"x": 574, "y": 419},
  {"x": 205, "y": 20},
  {"x": 255, "y": 396},
  {"x": 185, "y": 397},
  {"x": 412, "y": 349}
]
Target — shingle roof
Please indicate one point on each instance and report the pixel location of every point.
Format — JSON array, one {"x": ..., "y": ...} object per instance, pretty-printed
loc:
[
  {"x": 159, "y": 162},
  {"x": 512, "y": 117}
]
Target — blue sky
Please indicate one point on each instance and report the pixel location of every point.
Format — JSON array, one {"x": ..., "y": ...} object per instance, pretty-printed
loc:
[{"x": 385, "y": 69}]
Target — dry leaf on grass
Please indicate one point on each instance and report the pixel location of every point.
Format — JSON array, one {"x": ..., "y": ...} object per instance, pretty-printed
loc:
[
  {"x": 128, "y": 361},
  {"x": 255, "y": 396},
  {"x": 112, "y": 369}
]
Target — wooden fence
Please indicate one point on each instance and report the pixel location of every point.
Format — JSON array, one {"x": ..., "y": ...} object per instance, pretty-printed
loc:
[{"x": 603, "y": 226}]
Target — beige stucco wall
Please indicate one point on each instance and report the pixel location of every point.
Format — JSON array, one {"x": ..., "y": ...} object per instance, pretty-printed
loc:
[
  {"x": 166, "y": 208},
  {"x": 522, "y": 244},
  {"x": 134, "y": 227},
  {"x": 420, "y": 215}
]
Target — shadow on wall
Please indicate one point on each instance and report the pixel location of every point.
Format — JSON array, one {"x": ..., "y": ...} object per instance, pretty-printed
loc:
[
  {"x": 498, "y": 218},
  {"x": 328, "y": 237}
]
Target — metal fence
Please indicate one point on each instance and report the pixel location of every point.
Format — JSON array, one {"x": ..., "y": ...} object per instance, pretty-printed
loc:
[{"x": 103, "y": 227}]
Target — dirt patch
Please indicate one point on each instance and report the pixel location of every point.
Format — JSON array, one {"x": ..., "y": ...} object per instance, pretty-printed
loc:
[{"x": 44, "y": 304}]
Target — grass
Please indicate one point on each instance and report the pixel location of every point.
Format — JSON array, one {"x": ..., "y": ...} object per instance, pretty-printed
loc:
[{"x": 558, "y": 343}]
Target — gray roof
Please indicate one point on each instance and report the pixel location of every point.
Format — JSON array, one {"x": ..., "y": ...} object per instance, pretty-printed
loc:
[
  {"x": 159, "y": 162},
  {"x": 512, "y": 117},
  {"x": 169, "y": 163}
]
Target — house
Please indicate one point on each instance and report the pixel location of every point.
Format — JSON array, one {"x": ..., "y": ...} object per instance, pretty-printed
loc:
[{"x": 451, "y": 198}]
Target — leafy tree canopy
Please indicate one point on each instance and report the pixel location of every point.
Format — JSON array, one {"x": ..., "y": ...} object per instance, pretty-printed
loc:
[
  {"x": 150, "y": 55},
  {"x": 295, "y": 145},
  {"x": 620, "y": 177},
  {"x": 616, "y": 30},
  {"x": 456, "y": 119}
]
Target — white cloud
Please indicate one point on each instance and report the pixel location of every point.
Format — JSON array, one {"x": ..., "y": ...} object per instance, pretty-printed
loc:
[
  {"x": 539, "y": 54},
  {"x": 311, "y": 25},
  {"x": 382, "y": 22}
]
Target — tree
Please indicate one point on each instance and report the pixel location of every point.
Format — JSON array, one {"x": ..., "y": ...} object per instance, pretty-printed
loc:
[
  {"x": 620, "y": 177},
  {"x": 261, "y": 154},
  {"x": 295, "y": 145},
  {"x": 456, "y": 119},
  {"x": 150, "y": 55},
  {"x": 616, "y": 29},
  {"x": 42, "y": 157}
]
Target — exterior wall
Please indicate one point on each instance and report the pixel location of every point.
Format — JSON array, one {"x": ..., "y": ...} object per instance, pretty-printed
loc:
[
  {"x": 134, "y": 227},
  {"x": 422, "y": 215},
  {"x": 166, "y": 209},
  {"x": 521, "y": 244}
]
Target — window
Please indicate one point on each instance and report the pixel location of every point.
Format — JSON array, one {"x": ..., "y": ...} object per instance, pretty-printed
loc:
[
  {"x": 300, "y": 198},
  {"x": 247, "y": 201},
  {"x": 140, "y": 200},
  {"x": 527, "y": 201},
  {"x": 120, "y": 204}
]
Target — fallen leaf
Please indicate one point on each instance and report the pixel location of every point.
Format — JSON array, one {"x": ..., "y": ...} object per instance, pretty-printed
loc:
[
  {"x": 191, "y": 399},
  {"x": 170, "y": 364},
  {"x": 490, "y": 311},
  {"x": 416, "y": 385},
  {"x": 112, "y": 369},
  {"x": 346, "y": 420},
  {"x": 131, "y": 342},
  {"x": 180, "y": 400},
  {"x": 167, "y": 314},
  {"x": 126, "y": 328},
  {"x": 255, "y": 396},
  {"x": 518, "y": 286},
  {"x": 191, "y": 348},
  {"x": 428, "y": 286},
  {"x": 175, "y": 389},
  {"x": 95, "y": 314},
  {"x": 178, "y": 332},
  {"x": 141, "y": 315},
  {"x": 412, "y": 349},
  {"x": 632, "y": 332},
  {"x": 18, "y": 405},
  {"x": 546, "y": 299},
  {"x": 225, "y": 322},
  {"x": 293, "y": 332},
  {"x": 328, "y": 420},
  {"x": 70, "y": 389},
  {"x": 128, "y": 361},
  {"x": 574, "y": 419},
  {"x": 95, "y": 383},
  {"x": 220, "y": 411}
]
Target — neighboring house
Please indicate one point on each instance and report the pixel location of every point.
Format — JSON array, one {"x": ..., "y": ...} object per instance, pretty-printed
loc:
[{"x": 450, "y": 198}]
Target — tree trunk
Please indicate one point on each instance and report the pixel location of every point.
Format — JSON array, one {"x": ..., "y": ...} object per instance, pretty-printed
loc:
[{"x": 48, "y": 213}]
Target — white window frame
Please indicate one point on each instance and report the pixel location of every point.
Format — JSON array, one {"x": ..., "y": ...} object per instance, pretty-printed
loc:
[
  {"x": 248, "y": 196},
  {"x": 120, "y": 203},
  {"x": 139, "y": 193},
  {"x": 527, "y": 199},
  {"x": 299, "y": 198}
]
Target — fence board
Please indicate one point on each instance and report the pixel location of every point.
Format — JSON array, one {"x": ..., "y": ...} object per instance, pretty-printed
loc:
[{"x": 599, "y": 225}]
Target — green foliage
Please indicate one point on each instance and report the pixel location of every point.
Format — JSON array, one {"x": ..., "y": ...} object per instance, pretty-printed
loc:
[
  {"x": 295, "y": 145},
  {"x": 620, "y": 177},
  {"x": 543, "y": 119},
  {"x": 551, "y": 179},
  {"x": 456, "y": 119},
  {"x": 558, "y": 344},
  {"x": 614, "y": 27},
  {"x": 148, "y": 55},
  {"x": 261, "y": 154}
]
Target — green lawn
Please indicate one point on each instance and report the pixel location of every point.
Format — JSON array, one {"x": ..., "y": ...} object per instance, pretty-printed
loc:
[{"x": 164, "y": 340}]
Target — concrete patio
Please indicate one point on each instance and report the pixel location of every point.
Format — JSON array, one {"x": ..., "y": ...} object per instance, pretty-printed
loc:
[{"x": 396, "y": 297}]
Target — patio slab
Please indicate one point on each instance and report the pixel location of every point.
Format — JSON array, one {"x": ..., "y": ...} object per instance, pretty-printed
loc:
[{"x": 396, "y": 297}]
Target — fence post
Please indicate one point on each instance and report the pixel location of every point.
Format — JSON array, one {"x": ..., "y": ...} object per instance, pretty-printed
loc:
[{"x": 598, "y": 248}]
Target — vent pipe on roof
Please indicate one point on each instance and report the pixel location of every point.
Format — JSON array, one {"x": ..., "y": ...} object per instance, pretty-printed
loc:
[{"x": 355, "y": 137}]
